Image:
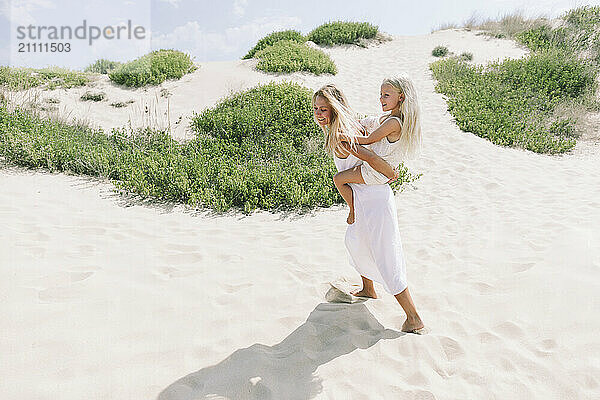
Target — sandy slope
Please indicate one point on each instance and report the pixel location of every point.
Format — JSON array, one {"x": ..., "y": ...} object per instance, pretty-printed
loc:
[{"x": 106, "y": 298}]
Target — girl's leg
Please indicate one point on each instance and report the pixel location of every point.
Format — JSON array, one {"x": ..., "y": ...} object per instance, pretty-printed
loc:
[
  {"x": 413, "y": 322},
  {"x": 367, "y": 290},
  {"x": 341, "y": 180},
  {"x": 378, "y": 163}
]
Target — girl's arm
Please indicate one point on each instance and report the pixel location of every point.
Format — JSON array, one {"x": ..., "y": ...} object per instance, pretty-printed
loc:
[
  {"x": 387, "y": 128},
  {"x": 370, "y": 157}
]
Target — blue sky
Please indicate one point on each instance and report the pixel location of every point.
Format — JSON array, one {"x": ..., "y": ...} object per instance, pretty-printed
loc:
[{"x": 225, "y": 30}]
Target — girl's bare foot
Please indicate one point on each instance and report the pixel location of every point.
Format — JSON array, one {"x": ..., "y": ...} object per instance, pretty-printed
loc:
[
  {"x": 350, "y": 219},
  {"x": 364, "y": 293}
]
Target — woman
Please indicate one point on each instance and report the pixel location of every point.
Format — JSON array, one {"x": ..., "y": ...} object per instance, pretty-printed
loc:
[{"x": 373, "y": 240}]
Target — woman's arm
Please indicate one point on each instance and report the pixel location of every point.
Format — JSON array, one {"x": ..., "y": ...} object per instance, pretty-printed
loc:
[{"x": 370, "y": 157}]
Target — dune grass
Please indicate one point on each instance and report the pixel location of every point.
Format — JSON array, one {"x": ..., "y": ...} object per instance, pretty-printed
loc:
[
  {"x": 342, "y": 32},
  {"x": 102, "y": 66},
  {"x": 153, "y": 68},
  {"x": 49, "y": 78},
  {"x": 256, "y": 149},
  {"x": 272, "y": 38},
  {"x": 289, "y": 56},
  {"x": 439, "y": 51},
  {"x": 534, "y": 103},
  {"x": 512, "y": 103}
]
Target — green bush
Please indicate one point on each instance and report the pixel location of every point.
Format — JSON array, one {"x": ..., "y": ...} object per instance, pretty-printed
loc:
[
  {"x": 93, "y": 96},
  {"x": 289, "y": 56},
  {"x": 539, "y": 38},
  {"x": 511, "y": 103},
  {"x": 275, "y": 37},
  {"x": 439, "y": 51},
  {"x": 256, "y": 149},
  {"x": 552, "y": 74},
  {"x": 586, "y": 17},
  {"x": 50, "y": 78},
  {"x": 466, "y": 56},
  {"x": 102, "y": 66},
  {"x": 341, "y": 32},
  {"x": 153, "y": 68}
]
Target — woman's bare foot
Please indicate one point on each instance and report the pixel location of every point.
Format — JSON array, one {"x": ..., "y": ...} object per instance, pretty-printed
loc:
[
  {"x": 350, "y": 219},
  {"x": 364, "y": 293},
  {"x": 413, "y": 325}
]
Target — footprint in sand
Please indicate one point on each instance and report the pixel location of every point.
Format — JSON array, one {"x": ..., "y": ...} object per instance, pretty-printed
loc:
[
  {"x": 488, "y": 338},
  {"x": 509, "y": 329},
  {"x": 185, "y": 257},
  {"x": 58, "y": 279},
  {"x": 521, "y": 266},
  {"x": 452, "y": 348},
  {"x": 62, "y": 286},
  {"x": 483, "y": 288},
  {"x": 172, "y": 272}
]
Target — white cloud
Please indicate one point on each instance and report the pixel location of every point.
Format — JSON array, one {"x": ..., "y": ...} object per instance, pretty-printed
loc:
[
  {"x": 174, "y": 3},
  {"x": 239, "y": 7},
  {"x": 20, "y": 12},
  {"x": 230, "y": 42}
]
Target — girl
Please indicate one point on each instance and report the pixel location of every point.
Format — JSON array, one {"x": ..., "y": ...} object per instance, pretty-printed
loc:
[
  {"x": 373, "y": 242},
  {"x": 393, "y": 137}
]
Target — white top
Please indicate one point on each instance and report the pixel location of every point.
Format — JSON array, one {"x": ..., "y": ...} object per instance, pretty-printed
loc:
[{"x": 392, "y": 152}]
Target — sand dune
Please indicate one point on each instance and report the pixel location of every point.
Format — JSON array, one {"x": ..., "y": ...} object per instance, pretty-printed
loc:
[{"x": 109, "y": 298}]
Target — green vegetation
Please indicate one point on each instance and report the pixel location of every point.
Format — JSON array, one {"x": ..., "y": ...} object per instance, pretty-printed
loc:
[
  {"x": 512, "y": 103},
  {"x": 340, "y": 32},
  {"x": 274, "y": 37},
  {"x": 536, "y": 102},
  {"x": 49, "y": 78},
  {"x": 578, "y": 35},
  {"x": 289, "y": 56},
  {"x": 256, "y": 149},
  {"x": 439, "y": 51},
  {"x": 93, "y": 96},
  {"x": 466, "y": 56},
  {"x": 121, "y": 104},
  {"x": 102, "y": 66},
  {"x": 153, "y": 68}
]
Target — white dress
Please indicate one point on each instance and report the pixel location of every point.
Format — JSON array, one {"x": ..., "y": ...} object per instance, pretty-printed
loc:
[
  {"x": 373, "y": 240},
  {"x": 391, "y": 152}
]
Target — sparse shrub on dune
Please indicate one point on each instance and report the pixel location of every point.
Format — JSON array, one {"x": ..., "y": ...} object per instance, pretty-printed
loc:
[
  {"x": 273, "y": 38},
  {"x": 49, "y": 78},
  {"x": 466, "y": 56},
  {"x": 153, "y": 68},
  {"x": 288, "y": 56},
  {"x": 102, "y": 66},
  {"x": 439, "y": 51},
  {"x": 93, "y": 96},
  {"x": 342, "y": 32}
]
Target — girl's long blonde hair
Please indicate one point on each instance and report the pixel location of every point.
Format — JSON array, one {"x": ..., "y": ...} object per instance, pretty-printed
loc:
[
  {"x": 410, "y": 114},
  {"x": 342, "y": 118}
]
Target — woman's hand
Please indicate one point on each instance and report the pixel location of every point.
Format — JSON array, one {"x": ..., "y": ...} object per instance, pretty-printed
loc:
[
  {"x": 396, "y": 175},
  {"x": 345, "y": 138}
]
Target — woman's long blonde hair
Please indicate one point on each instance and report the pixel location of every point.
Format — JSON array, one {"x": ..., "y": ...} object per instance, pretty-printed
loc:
[
  {"x": 342, "y": 118},
  {"x": 410, "y": 114}
]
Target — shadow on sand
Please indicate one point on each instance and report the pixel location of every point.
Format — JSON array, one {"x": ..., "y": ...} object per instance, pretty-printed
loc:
[{"x": 285, "y": 370}]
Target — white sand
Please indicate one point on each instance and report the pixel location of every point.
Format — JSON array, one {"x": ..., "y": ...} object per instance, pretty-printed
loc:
[{"x": 105, "y": 298}]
